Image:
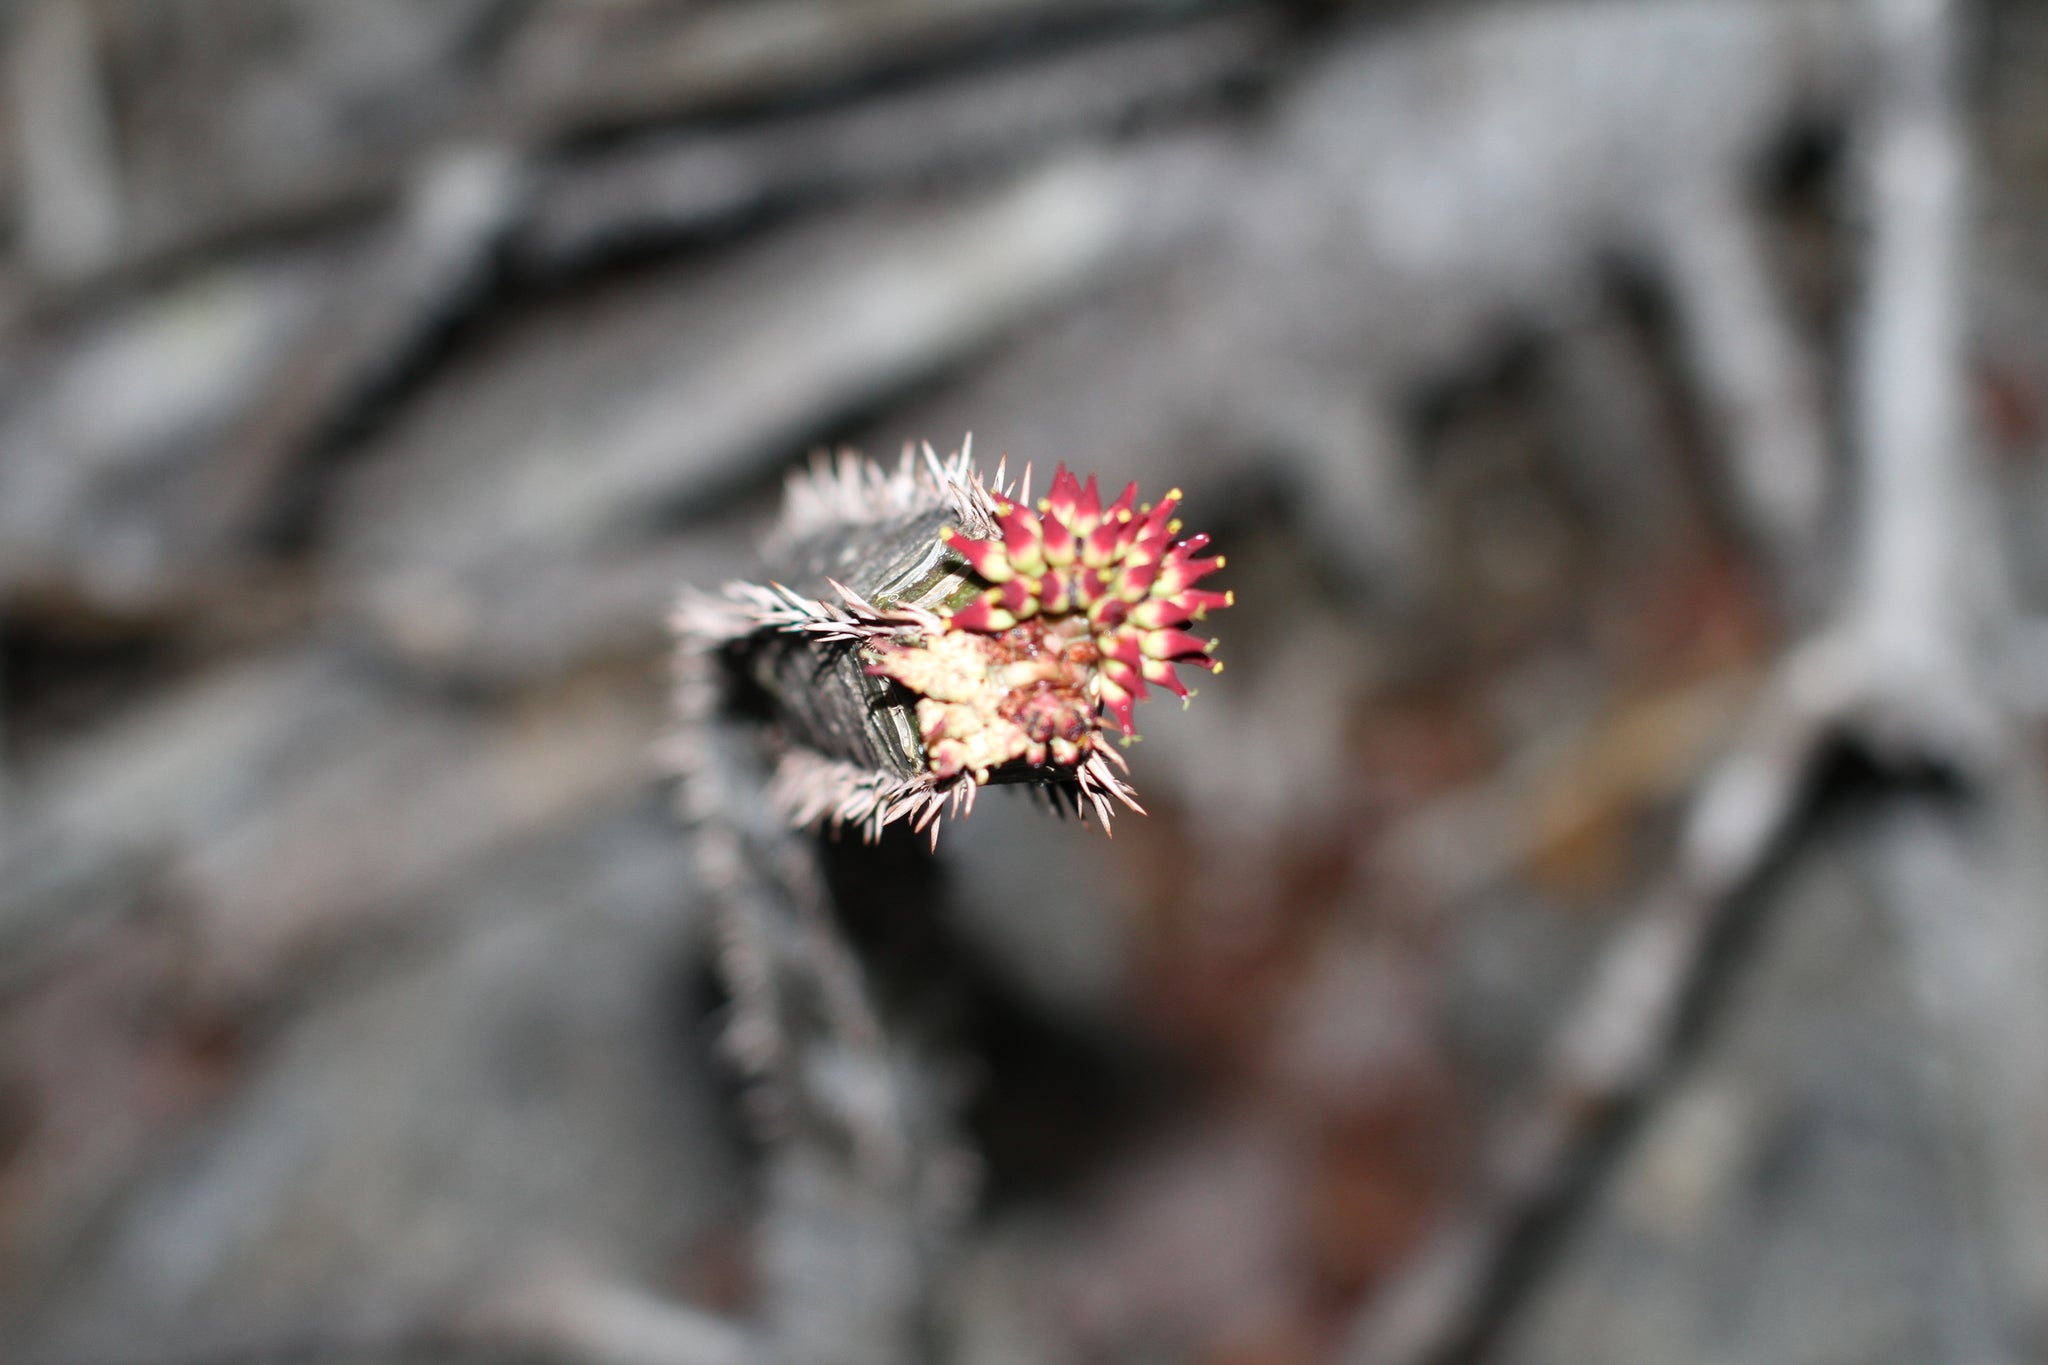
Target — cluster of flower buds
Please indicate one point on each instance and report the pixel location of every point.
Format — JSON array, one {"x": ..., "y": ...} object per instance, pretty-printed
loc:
[{"x": 1085, "y": 610}]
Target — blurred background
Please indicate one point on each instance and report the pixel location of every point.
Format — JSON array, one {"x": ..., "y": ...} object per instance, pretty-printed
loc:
[{"x": 374, "y": 372}]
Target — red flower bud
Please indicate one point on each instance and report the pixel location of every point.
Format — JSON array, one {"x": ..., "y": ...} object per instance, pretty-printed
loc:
[{"x": 1081, "y": 616}]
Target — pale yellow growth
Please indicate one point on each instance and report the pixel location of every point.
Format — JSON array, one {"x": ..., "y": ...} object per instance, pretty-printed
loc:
[{"x": 967, "y": 681}]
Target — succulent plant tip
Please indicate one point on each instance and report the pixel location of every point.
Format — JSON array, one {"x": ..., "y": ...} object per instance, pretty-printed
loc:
[{"x": 1083, "y": 607}]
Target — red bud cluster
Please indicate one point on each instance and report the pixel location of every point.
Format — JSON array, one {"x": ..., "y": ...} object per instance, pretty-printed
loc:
[{"x": 1086, "y": 608}]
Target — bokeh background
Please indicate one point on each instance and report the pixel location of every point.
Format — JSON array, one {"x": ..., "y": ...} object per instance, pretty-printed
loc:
[{"x": 374, "y": 372}]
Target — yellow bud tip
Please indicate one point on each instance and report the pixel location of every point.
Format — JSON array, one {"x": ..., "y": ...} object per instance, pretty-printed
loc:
[
  {"x": 1221, "y": 561},
  {"x": 1124, "y": 515},
  {"x": 1218, "y": 668},
  {"x": 1173, "y": 527},
  {"x": 1230, "y": 598},
  {"x": 1174, "y": 495},
  {"x": 1045, "y": 504}
]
